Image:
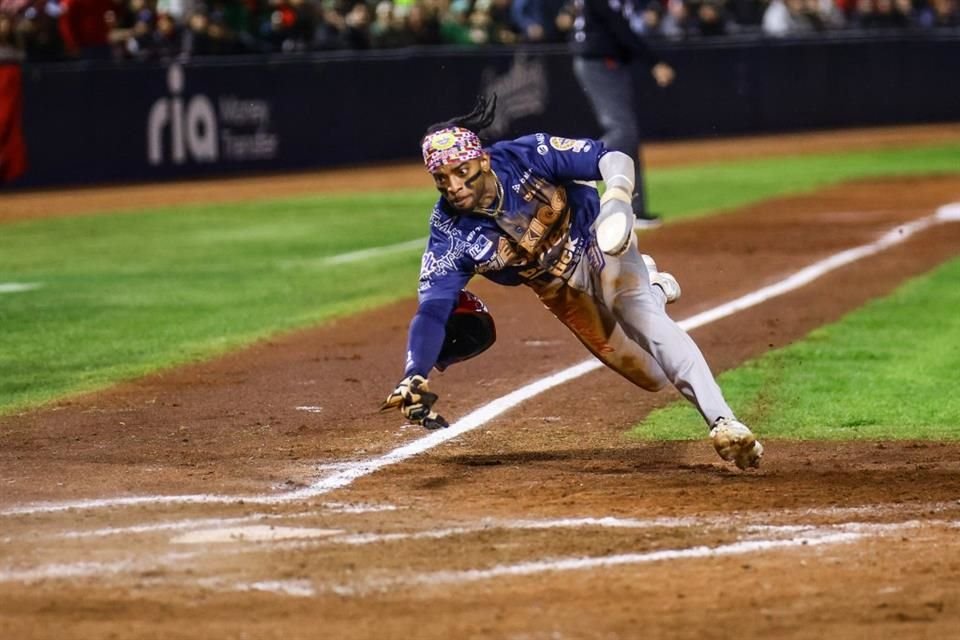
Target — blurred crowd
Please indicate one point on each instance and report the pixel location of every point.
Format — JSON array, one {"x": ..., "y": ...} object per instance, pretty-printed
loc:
[{"x": 162, "y": 29}]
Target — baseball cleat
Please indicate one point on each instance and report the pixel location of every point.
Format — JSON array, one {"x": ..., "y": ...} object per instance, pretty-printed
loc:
[
  {"x": 667, "y": 283},
  {"x": 734, "y": 441}
]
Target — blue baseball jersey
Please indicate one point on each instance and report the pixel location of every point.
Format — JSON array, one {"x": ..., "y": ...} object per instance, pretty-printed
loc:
[
  {"x": 542, "y": 228},
  {"x": 539, "y": 230}
]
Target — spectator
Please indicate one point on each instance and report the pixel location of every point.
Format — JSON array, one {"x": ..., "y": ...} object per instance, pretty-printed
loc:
[
  {"x": 237, "y": 15},
  {"x": 382, "y": 32},
  {"x": 712, "y": 18},
  {"x": 678, "y": 23},
  {"x": 787, "y": 18},
  {"x": 880, "y": 14},
  {"x": 421, "y": 26},
  {"x": 300, "y": 33},
  {"x": 357, "y": 22},
  {"x": 537, "y": 20},
  {"x": 911, "y": 15},
  {"x": 564, "y": 21},
  {"x": 13, "y": 150},
  {"x": 277, "y": 25},
  {"x": 329, "y": 24},
  {"x": 131, "y": 30},
  {"x": 166, "y": 39},
  {"x": 480, "y": 26},
  {"x": 11, "y": 41},
  {"x": 826, "y": 14},
  {"x": 651, "y": 19},
  {"x": 196, "y": 42},
  {"x": 180, "y": 10},
  {"x": 38, "y": 28},
  {"x": 136, "y": 41},
  {"x": 941, "y": 14},
  {"x": 163, "y": 29},
  {"x": 85, "y": 27},
  {"x": 453, "y": 25},
  {"x": 501, "y": 26}
]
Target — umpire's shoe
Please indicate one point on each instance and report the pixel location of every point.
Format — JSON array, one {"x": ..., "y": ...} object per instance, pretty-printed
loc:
[{"x": 733, "y": 440}]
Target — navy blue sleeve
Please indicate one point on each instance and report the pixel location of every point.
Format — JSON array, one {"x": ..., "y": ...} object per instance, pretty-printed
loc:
[
  {"x": 562, "y": 159},
  {"x": 427, "y": 332},
  {"x": 445, "y": 270},
  {"x": 446, "y": 267}
]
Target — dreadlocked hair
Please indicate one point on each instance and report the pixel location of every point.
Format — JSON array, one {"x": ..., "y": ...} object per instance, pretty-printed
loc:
[{"x": 480, "y": 118}]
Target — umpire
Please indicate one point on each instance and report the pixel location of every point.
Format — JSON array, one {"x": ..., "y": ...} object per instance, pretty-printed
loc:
[{"x": 605, "y": 44}]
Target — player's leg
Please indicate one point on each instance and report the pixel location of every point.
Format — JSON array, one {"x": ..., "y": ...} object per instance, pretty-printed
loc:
[
  {"x": 639, "y": 307},
  {"x": 597, "y": 328}
]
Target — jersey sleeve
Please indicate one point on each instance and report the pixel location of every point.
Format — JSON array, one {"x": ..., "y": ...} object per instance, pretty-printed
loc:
[
  {"x": 445, "y": 270},
  {"x": 446, "y": 266},
  {"x": 565, "y": 159}
]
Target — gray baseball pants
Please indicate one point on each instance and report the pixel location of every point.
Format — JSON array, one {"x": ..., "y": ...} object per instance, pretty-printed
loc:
[{"x": 612, "y": 308}]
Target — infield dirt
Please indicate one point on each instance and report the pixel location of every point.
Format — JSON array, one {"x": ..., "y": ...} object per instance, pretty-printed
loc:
[{"x": 448, "y": 543}]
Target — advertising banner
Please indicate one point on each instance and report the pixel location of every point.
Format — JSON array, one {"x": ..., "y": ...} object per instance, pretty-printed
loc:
[{"x": 101, "y": 122}]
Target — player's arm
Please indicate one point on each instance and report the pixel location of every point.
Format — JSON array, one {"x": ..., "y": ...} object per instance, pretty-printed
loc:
[
  {"x": 424, "y": 341},
  {"x": 614, "y": 223},
  {"x": 439, "y": 291},
  {"x": 563, "y": 160},
  {"x": 426, "y": 334}
]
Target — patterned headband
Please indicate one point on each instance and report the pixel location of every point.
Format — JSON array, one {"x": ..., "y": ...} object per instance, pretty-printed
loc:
[{"x": 450, "y": 145}]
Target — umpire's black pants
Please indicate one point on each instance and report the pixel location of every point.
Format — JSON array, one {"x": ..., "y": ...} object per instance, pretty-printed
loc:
[{"x": 609, "y": 88}]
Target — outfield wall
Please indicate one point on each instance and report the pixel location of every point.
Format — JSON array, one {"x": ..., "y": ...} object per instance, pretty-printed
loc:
[{"x": 102, "y": 122}]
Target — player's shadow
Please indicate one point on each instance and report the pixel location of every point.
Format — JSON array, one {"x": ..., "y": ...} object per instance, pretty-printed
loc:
[{"x": 634, "y": 458}]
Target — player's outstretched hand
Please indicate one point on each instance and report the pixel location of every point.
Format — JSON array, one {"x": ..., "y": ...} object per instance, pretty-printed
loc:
[{"x": 415, "y": 400}]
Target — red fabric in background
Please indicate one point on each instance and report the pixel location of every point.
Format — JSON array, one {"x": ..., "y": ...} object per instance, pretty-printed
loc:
[
  {"x": 84, "y": 23},
  {"x": 13, "y": 150}
]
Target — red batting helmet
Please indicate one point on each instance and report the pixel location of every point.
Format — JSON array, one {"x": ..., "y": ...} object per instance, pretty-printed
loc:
[{"x": 470, "y": 331}]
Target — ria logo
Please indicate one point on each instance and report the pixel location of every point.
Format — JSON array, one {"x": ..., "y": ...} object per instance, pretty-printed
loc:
[{"x": 191, "y": 128}]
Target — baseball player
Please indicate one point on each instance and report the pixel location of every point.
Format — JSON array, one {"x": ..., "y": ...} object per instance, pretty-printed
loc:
[{"x": 525, "y": 211}]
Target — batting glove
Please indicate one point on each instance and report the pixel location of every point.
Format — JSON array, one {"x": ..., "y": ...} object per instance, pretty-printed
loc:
[{"x": 415, "y": 401}]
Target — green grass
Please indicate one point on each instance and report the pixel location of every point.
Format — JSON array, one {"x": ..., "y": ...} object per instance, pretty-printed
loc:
[
  {"x": 887, "y": 370},
  {"x": 126, "y": 294},
  {"x": 699, "y": 190},
  {"x": 129, "y": 293}
]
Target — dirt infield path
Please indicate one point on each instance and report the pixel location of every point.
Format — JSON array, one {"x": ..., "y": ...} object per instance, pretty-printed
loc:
[{"x": 545, "y": 522}]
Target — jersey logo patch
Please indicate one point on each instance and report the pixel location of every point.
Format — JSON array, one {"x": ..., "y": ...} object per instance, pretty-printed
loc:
[
  {"x": 562, "y": 144},
  {"x": 479, "y": 249}
]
